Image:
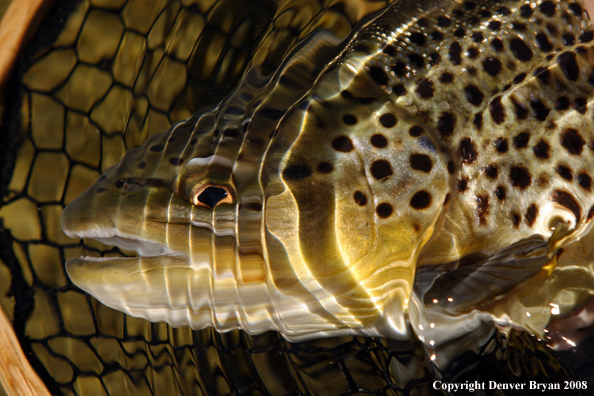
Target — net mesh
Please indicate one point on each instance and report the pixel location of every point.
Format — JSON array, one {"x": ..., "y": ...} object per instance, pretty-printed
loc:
[{"x": 99, "y": 77}]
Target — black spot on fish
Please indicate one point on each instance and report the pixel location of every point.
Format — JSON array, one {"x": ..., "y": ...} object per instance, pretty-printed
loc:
[
  {"x": 296, "y": 172},
  {"x": 230, "y": 133},
  {"x": 360, "y": 198},
  {"x": 531, "y": 215},
  {"x": 568, "y": 39},
  {"x": 384, "y": 210},
  {"x": 381, "y": 169},
  {"x": 541, "y": 150},
  {"x": 446, "y": 78},
  {"x": 586, "y": 37},
  {"x": 541, "y": 110},
  {"x": 399, "y": 90},
  {"x": 388, "y": 120},
  {"x": 415, "y": 131},
  {"x": 580, "y": 105},
  {"x": 503, "y": 10},
  {"x": 526, "y": 11},
  {"x": 572, "y": 141},
  {"x": 417, "y": 60},
  {"x": 446, "y": 124},
  {"x": 482, "y": 208},
  {"x": 425, "y": 88},
  {"x": 500, "y": 193},
  {"x": 520, "y": 177},
  {"x": 520, "y": 50},
  {"x": 491, "y": 171},
  {"x": 567, "y": 200},
  {"x": 157, "y": 148},
  {"x": 462, "y": 185},
  {"x": 342, "y": 144},
  {"x": 477, "y": 37},
  {"x": 436, "y": 35},
  {"x": 520, "y": 109},
  {"x": 193, "y": 141},
  {"x": 519, "y": 27},
  {"x": 325, "y": 167},
  {"x": 547, "y": 8},
  {"x": 100, "y": 189},
  {"x": 455, "y": 53},
  {"x": 460, "y": 32},
  {"x": 473, "y": 95},
  {"x": 141, "y": 165},
  {"x": 497, "y": 111},
  {"x": 501, "y": 145},
  {"x": 399, "y": 68},
  {"x": 349, "y": 119},
  {"x": 543, "y": 74},
  {"x": 421, "y": 162},
  {"x": 378, "y": 75},
  {"x": 417, "y": 38},
  {"x": 467, "y": 151},
  {"x": 543, "y": 43},
  {"x": 451, "y": 167},
  {"x": 478, "y": 121},
  {"x": 564, "y": 172},
  {"x": 271, "y": 113},
  {"x": 516, "y": 219},
  {"x": 562, "y": 103},
  {"x": 120, "y": 183},
  {"x": 421, "y": 200},
  {"x": 473, "y": 52},
  {"x": 497, "y": 44},
  {"x": 568, "y": 63},
  {"x": 492, "y": 66},
  {"x": 389, "y": 50},
  {"x": 494, "y": 25},
  {"x": 443, "y": 21},
  {"x": 378, "y": 140},
  {"x": 575, "y": 8},
  {"x": 521, "y": 140},
  {"x": 585, "y": 181},
  {"x": 176, "y": 161}
]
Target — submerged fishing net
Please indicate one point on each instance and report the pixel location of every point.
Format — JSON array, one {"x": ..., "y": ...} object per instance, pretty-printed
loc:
[{"x": 99, "y": 77}]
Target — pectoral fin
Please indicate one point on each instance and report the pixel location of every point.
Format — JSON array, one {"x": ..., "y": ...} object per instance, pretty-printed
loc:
[{"x": 461, "y": 290}]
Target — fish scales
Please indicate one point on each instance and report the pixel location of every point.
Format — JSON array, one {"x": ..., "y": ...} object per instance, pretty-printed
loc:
[{"x": 440, "y": 135}]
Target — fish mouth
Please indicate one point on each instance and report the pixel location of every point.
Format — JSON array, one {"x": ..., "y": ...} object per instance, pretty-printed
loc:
[{"x": 113, "y": 237}]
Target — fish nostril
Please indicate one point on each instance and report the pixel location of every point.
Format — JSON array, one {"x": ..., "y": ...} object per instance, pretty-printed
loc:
[{"x": 211, "y": 196}]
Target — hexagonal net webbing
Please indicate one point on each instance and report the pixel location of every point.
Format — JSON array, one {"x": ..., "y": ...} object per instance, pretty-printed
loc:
[{"x": 98, "y": 78}]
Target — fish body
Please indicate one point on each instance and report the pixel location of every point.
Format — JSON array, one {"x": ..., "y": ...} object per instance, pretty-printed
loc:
[{"x": 447, "y": 141}]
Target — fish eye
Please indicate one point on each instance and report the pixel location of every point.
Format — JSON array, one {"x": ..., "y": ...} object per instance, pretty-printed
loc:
[
  {"x": 555, "y": 222},
  {"x": 211, "y": 196}
]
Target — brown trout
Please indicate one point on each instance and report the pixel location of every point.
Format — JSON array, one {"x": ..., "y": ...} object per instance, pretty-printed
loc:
[{"x": 431, "y": 172}]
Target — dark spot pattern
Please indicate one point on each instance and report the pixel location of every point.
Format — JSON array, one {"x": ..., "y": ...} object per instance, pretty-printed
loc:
[
  {"x": 520, "y": 50},
  {"x": 415, "y": 131},
  {"x": 446, "y": 77},
  {"x": 585, "y": 181},
  {"x": 572, "y": 141},
  {"x": 451, "y": 167},
  {"x": 296, "y": 172},
  {"x": 417, "y": 38},
  {"x": 520, "y": 177},
  {"x": 492, "y": 66},
  {"x": 388, "y": 120},
  {"x": 482, "y": 208},
  {"x": 384, "y": 210},
  {"x": 497, "y": 44},
  {"x": 519, "y": 78},
  {"x": 473, "y": 52},
  {"x": 157, "y": 148},
  {"x": 543, "y": 74},
  {"x": 389, "y": 50},
  {"x": 467, "y": 151},
  {"x": 521, "y": 140},
  {"x": 378, "y": 75},
  {"x": 494, "y": 25},
  {"x": 478, "y": 121},
  {"x": 586, "y": 37},
  {"x": 497, "y": 111},
  {"x": 543, "y": 43},
  {"x": 342, "y": 144},
  {"x": 526, "y": 11},
  {"x": 360, "y": 198},
  {"x": 539, "y": 107},
  {"x": 569, "y": 66},
  {"x": 547, "y": 8},
  {"x": 425, "y": 88},
  {"x": 541, "y": 149},
  {"x": 477, "y": 37},
  {"x": 142, "y": 165},
  {"x": 564, "y": 172},
  {"x": 491, "y": 171},
  {"x": 516, "y": 219},
  {"x": 462, "y": 185},
  {"x": 443, "y": 21},
  {"x": 591, "y": 213},
  {"x": 473, "y": 95},
  {"x": 421, "y": 200},
  {"x": 562, "y": 103},
  {"x": 349, "y": 119},
  {"x": 500, "y": 192},
  {"x": 568, "y": 39},
  {"x": 531, "y": 215},
  {"x": 421, "y": 162},
  {"x": 567, "y": 200},
  {"x": 378, "y": 140},
  {"x": 325, "y": 167},
  {"x": 381, "y": 169},
  {"x": 176, "y": 161},
  {"x": 446, "y": 124},
  {"x": 399, "y": 90},
  {"x": 501, "y": 145},
  {"x": 580, "y": 105},
  {"x": 455, "y": 53},
  {"x": 520, "y": 109}
]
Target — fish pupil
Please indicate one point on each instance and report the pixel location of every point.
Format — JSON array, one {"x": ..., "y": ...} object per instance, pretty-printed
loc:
[{"x": 211, "y": 196}]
